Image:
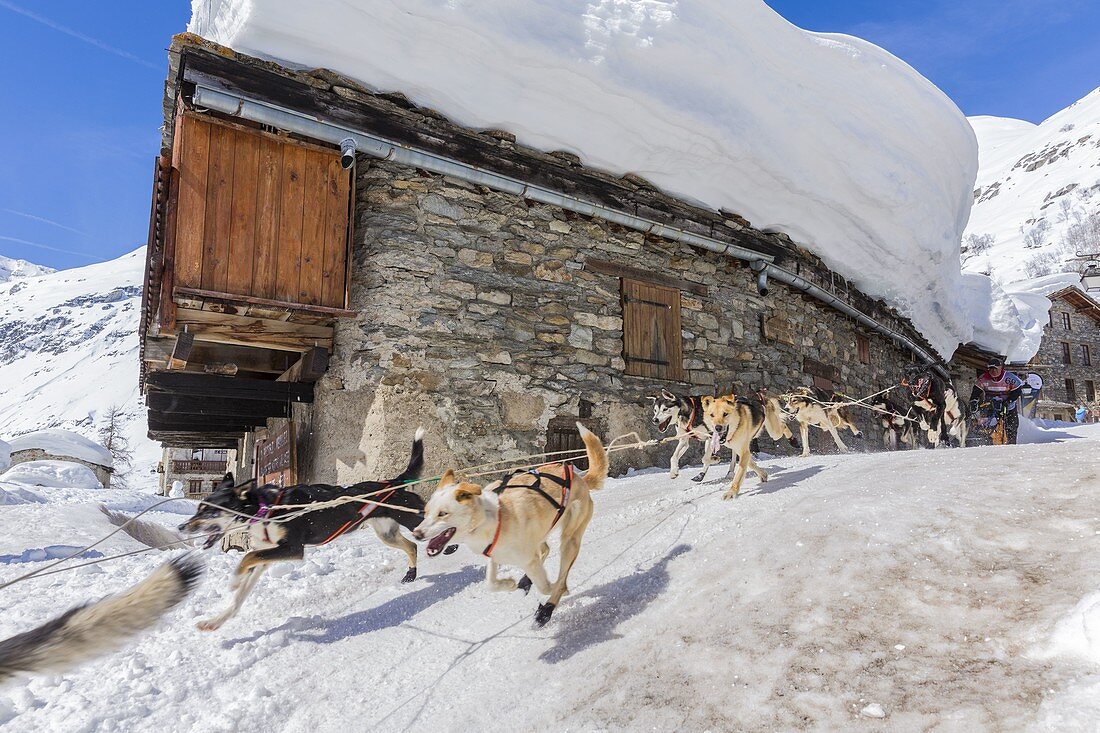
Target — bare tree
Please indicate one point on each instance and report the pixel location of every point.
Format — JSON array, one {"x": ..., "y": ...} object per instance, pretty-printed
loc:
[
  {"x": 1036, "y": 235},
  {"x": 976, "y": 244},
  {"x": 112, "y": 437}
]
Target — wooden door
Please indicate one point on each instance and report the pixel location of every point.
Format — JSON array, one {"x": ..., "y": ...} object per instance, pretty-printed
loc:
[{"x": 652, "y": 340}]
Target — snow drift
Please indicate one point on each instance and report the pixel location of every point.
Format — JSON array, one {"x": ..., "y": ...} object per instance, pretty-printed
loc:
[
  {"x": 63, "y": 443},
  {"x": 722, "y": 102},
  {"x": 54, "y": 474}
]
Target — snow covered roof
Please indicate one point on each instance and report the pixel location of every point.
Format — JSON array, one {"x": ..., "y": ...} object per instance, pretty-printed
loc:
[
  {"x": 54, "y": 474},
  {"x": 63, "y": 443},
  {"x": 722, "y": 103}
]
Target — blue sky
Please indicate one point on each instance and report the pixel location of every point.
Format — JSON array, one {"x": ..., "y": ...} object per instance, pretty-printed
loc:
[{"x": 82, "y": 84}]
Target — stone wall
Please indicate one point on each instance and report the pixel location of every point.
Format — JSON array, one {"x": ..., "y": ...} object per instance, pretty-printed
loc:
[
  {"x": 478, "y": 320},
  {"x": 37, "y": 454},
  {"x": 1048, "y": 361}
]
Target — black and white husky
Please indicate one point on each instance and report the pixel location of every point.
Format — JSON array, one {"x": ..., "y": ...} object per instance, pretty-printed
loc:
[
  {"x": 685, "y": 413},
  {"x": 86, "y": 632}
]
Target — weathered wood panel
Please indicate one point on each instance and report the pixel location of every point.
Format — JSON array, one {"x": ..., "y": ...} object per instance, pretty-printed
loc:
[
  {"x": 219, "y": 210},
  {"x": 651, "y": 331},
  {"x": 192, "y": 160},
  {"x": 242, "y": 229},
  {"x": 292, "y": 205},
  {"x": 337, "y": 183},
  {"x": 268, "y": 197},
  {"x": 313, "y": 229}
]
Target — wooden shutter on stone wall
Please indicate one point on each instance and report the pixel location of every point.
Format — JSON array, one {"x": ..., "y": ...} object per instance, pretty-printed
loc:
[
  {"x": 651, "y": 330},
  {"x": 259, "y": 215}
]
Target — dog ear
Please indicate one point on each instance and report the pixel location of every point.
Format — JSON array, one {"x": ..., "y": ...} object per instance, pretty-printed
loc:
[
  {"x": 667, "y": 395},
  {"x": 447, "y": 479},
  {"x": 243, "y": 489},
  {"x": 466, "y": 492}
]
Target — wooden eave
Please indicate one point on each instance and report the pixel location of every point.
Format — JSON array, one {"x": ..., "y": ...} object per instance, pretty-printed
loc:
[{"x": 1079, "y": 301}]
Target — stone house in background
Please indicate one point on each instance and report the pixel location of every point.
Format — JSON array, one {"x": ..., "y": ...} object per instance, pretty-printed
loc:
[
  {"x": 312, "y": 304},
  {"x": 198, "y": 469},
  {"x": 63, "y": 445},
  {"x": 1068, "y": 359}
]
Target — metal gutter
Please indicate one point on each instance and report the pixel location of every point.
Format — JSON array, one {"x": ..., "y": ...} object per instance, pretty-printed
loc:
[{"x": 384, "y": 149}]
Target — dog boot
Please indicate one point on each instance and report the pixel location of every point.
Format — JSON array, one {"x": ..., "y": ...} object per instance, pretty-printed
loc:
[
  {"x": 524, "y": 585},
  {"x": 410, "y": 576},
  {"x": 542, "y": 616},
  {"x": 450, "y": 549}
]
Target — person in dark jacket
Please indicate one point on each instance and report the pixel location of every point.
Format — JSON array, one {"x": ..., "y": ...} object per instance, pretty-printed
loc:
[{"x": 997, "y": 384}]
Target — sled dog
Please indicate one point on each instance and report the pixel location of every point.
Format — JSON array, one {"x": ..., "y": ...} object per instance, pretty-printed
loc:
[
  {"x": 942, "y": 415},
  {"x": 743, "y": 420},
  {"x": 89, "y": 631},
  {"x": 805, "y": 405},
  {"x": 897, "y": 422},
  {"x": 275, "y": 541},
  {"x": 509, "y": 521},
  {"x": 686, "y": 414}
]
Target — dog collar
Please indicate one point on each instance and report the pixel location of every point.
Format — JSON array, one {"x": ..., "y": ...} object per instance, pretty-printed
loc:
[{"x": 488, "y": 551}]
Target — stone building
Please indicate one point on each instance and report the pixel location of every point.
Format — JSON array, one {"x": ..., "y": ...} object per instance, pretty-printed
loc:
[
  {"x": 1068, "y": 359},
  {"x": 63, "y": 445},
  {"x": 493, "y": 293},
  {"x": 198, "y": 469}
]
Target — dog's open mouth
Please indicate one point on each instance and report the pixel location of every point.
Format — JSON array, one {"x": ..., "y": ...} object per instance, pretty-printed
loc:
[
  {"x": 212, "y": 539},
  {"x": 439, "y": 542},
  {"x": 663, "y": 425}
]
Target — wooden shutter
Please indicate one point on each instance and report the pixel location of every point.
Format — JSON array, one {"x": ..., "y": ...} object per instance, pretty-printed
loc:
[
  {"x": 863, "y": 346},
  {"x": 651, "y": 330}
]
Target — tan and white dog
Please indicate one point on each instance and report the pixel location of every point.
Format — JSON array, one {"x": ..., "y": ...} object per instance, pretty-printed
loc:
[
  {"x": 743, "y": 420},
  {"x": 812, "y": 407},
  {"x": 509, "y": 521}
]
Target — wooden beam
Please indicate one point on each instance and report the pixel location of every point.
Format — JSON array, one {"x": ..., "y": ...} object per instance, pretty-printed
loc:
[
  {"x": 223, "y": 328},
  {"x": 244, "y": 358},
  {"x": 203, "y": 423},
  {"x": 311, "y": 367},
  {"x": 185, "y": 439},
  {"x": 209, "y": 385},
  {"x": 603, "y": 267},
  {"x": 185, "y": 293},
  {"x": 164, "y": 402},
  {"x": 181, "y": 352}
]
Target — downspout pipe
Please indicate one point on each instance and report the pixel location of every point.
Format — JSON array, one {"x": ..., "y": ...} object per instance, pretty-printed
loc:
[{"x": 357, "y": 141}]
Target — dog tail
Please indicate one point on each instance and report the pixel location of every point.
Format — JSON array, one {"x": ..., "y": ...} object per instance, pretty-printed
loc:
[
  {"x": 774, "y": 422},
  {"x": 597, "y": 458},
  {"x": 147, "y": 533},
  {"x": 416, "y": 460},
  {"x": 88, "y": 631}
]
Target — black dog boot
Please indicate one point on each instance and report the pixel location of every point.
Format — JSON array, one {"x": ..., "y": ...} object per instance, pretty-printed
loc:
[
  {"x": 698, "y": 477},
  {"x": 524, "y": 585},
  {"x": 542, "y": 616},
  {"x": 410, "y": 576},
  {"x": 450, "y": 549}
]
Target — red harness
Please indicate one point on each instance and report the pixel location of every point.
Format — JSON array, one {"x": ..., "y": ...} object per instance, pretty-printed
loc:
[
  {"x": 566, "y": 484},
  {"x": 368, "y": 508}
]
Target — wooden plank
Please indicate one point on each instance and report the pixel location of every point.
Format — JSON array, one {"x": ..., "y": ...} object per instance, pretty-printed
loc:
[
  {"x": 219, "y": 210},
  {"x": 164, "y": 402},
  {"x": 197, "y": 293},
  {"x": 167, "y": 309},
  {"x": 313, "y": 229},
  {"x": 242, "y": 227},
  {"x": 311, "y": 367},
  {"x": 181, "y": 351},
  {"x": 652, "y": 341},
  {"x": 816, "y": 368},
  {"x": 777, "y": 328},
  {"x": 203, "y": 423},
  {"x": 268, "y": 196},
  {"x": 291, "y": 207},
  {"x": 604, "y": 267},
  {"x": 336, "y": 235},
  {"x": 192, "y": 146},
  {"x": 245, "y": 388},
  {"x": 245, "y": 331},
  {"x": 244, "y": 359}
]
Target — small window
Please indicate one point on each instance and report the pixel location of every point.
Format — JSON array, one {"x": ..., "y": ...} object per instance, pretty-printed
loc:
[
  {"x": 1066, "y": 323},
  {"x": 1067, "y": 353},
  {"x": 863, "y": 348},
  {"x": 196, "y": 454},
  {"x": 214, "y": 484},
  {"x": 1090, "y": 391},
  {"x": 1086, "y": 355},
  {"x": 651, "y": 331},
  {"x": 194, "y": 486},
  {"x": 1071, "y": 391}
]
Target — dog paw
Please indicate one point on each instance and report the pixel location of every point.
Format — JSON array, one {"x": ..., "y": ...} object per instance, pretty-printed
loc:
[
  {"x": 698, "y": 478},
  {"x": 450, "y": 549},
  {"x": 730, "y": 495},
  {"x": 524, "y": 585},
  {"x": 543, "y": 614},
  {"x": 673, "y": 476},
  {"x": 210, "y": 624},
  {"x": 410, "y": 576}
]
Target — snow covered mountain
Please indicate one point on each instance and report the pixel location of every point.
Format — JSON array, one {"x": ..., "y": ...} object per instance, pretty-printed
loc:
[
  {"x": 69, "y": 351},
  {"x": 10, "y": 269},
  {"x": 1038, "y": 193},
  {"x": 827, "y": 138}
]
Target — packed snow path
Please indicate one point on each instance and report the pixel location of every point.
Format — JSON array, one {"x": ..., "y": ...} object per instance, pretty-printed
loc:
[{"x": 923, "y": 586}]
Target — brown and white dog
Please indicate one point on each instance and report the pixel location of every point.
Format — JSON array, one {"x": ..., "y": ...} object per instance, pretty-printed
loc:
[
  {"x": 509, "y": 521},
  {"x": 811, "y": 406},
  {"x": 743, "y": 420},
  {"x": 685, "y": 413}
]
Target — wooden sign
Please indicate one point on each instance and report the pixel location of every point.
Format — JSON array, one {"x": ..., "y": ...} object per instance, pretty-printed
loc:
[
  {"x": 777, "y": 328},
  {"x": 275, "y": 459},
  {"x": 817, "y": 369}
]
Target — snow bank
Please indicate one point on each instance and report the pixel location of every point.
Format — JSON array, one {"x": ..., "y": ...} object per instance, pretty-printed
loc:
[
  {"x": 5, "y": 455},
  {"x": 1078, "y": 634},
  {"x": 64, "y": 443},
  {"x": 56, "y": 474},
  {"x": 722, "y": 102}
]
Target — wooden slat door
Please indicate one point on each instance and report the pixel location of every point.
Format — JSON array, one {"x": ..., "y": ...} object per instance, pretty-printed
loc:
[
  {"x": 259, "y": 215},
  {"x": 651, "y": 330}
]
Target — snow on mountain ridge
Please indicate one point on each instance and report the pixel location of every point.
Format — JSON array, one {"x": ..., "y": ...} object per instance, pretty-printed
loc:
[
  {"x": 11, "y": 269},
  {"x": 69, "y": 351},
  {"x": 825, "y": 137}
]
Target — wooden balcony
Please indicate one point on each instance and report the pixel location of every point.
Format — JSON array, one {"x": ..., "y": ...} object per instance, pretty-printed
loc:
[{"x": 179, "y": 467}]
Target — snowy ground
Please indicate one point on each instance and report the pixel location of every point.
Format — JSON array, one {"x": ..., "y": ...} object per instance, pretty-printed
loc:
[{"x": 946, "y": 590}]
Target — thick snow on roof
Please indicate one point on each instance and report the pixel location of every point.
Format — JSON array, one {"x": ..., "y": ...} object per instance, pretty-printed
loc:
[
  {"x": 721, "y": 102},
  {"x": 54, "y": 474},
  {"x": 64, "y": 443}
]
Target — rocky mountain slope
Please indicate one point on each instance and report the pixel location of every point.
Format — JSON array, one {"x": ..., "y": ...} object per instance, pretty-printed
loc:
[{"x": 10, "y": 269}]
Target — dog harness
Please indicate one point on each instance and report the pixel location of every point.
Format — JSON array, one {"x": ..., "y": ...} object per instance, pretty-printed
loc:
[
  {"x": 264, "y": 510},
  {"x": 565, "y": 483},
  {"x": 365, "y": 511}
]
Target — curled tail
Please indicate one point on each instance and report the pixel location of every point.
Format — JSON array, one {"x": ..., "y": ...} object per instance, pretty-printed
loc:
[
  {"x": 774, "y": 422},
  {"x": 88, "y": 631},
  {"x": 597, "y": 458},
  {"x": 416, "y": 460}
]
